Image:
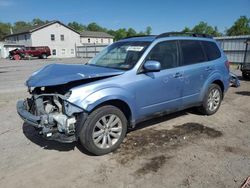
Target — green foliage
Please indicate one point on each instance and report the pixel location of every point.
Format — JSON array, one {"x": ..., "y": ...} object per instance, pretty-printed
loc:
[
  {"x": 95, "y": 27},
  {"x": 4, "y": 29},
  {"x": 240, "y": 27},
  {"x": 203, "y": 28},
  {"x": 77, "y": 26},
  {"x": 38, "y": 21},
  {"x": 20, "y": 26}
]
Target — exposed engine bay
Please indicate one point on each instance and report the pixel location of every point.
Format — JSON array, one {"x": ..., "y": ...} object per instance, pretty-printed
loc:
[{"x": 53, "y": 115}]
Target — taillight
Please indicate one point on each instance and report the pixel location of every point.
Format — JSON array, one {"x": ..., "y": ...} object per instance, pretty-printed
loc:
[{"x": 227, "y": 64}]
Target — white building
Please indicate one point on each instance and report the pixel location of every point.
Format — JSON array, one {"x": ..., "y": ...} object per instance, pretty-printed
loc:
[
  {"x": 94, "y": 37},
  {"x": 61, "y": 39}
]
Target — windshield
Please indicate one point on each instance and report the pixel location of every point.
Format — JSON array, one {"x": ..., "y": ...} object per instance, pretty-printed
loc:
[{"x": 120, "y": 55}]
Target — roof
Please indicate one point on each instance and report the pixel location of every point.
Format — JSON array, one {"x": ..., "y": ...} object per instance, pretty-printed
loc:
[
  {"x": 151, "y": 38},
  {"x": 142, "y": 38},
  {"x": 95, "y": 34},
  {"x": 31, "y": 29}
]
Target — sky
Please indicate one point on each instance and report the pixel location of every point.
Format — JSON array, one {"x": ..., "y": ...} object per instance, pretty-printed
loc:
[{"x": 161, "y": 15}]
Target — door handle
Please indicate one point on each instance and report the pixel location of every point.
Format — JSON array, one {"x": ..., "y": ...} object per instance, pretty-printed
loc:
[
  {"x": 209, "y": 68},
  {"x": 177, "y": 75}
]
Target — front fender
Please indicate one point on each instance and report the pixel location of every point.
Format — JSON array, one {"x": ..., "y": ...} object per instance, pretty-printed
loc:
[{"x": 103, "y": 95}]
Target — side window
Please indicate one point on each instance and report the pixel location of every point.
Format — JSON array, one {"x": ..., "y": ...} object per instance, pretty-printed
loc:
[
  {"x": 54, "y": 52},
  {"x": 166, "y": 53},
  {"x": 52, "y": 37},
  {"x": 211, "y": 49},
  {"x": 191, "y": 52},
  {"x": 62, "y": 37}
]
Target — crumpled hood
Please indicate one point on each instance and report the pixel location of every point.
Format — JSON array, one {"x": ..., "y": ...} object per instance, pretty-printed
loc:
[{"x": 57, "y": 74}]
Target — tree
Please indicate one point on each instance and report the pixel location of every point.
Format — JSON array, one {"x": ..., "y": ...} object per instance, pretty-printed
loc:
[
  {"x": 38, "y": 21},
  {"x": 148, "y": 30},
  {"x": 240, "y": 27},
  {"x": 131, "y": 32},
  {"x": 95, "y": 27},
  {"x": 77, "y": 26},
  {"x": 203, "y": 28},
  {"x": 5, "y": 29},
  {"x": 186, "y": 30},
  {"x": 120, "y": 33},
  {"x": 21, "y": 25}
]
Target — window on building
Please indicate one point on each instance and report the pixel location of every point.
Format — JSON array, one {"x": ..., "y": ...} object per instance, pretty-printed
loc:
[
  {"x": 63, "y": 51},
  {"x": 52, "y": 37},
  {"x": 72, "y": 51},
  {"x": 62, "y": 37},
  {"x": 192, "y": 52},
  {"x": 25, "y": 37},
  {"x": 54, "y": 52},
  {"x": 101, "y": 40},
  {"x": 165, "y": 53},
  {"x": 88, "y": 40}
]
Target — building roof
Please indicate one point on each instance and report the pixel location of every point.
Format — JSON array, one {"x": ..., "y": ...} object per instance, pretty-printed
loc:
[
  {"x": 95, "y": 34},
  {"x": 31, "y": 29},
  {"x": 233, "y": 37}
]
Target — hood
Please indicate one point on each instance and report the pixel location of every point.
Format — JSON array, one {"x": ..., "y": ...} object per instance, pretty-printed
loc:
[{"x": 57, "y": 74}]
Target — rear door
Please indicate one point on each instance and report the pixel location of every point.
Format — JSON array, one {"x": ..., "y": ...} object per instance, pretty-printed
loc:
[{"x": 195, "y": 68}]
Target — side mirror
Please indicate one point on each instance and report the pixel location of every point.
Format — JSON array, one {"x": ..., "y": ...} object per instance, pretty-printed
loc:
[{"x": 152, "y": 66}]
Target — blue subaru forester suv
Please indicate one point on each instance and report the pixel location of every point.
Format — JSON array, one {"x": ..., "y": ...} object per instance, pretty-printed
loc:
[{"x": 129, "y": 81}]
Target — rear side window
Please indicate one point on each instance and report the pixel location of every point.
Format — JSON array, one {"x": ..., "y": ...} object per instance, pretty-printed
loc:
[
  {"x": 211, "y": 49},
  {"x": 192, "y": 52}
]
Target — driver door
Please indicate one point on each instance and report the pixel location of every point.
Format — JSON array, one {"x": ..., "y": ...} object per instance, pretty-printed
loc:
[{"x": 160, "y": 91}]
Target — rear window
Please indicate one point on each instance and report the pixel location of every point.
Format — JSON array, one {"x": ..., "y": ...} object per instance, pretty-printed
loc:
[
  {"x": 211, "y": 49},
  {"x": 192, "y": 52}
]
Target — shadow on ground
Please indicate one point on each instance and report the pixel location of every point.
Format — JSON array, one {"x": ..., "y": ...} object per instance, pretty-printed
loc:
[{"x": 32, "y": 134}]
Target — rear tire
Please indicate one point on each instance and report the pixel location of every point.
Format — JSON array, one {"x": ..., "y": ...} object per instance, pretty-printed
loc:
[
  {"x": 245, "y": 75},
  {"x": 212, "y": 100},
  {"x": 104, "y": 130}
]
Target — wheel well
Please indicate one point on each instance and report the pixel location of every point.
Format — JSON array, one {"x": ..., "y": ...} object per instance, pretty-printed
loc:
[
  {"x": 123, "y": 106},
  {"x": 219, "y": 83}
]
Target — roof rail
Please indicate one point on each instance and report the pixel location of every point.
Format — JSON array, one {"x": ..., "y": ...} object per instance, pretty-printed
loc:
[
  {"x": 138, "y": 36},
  {"x": 170, "y": 34}
]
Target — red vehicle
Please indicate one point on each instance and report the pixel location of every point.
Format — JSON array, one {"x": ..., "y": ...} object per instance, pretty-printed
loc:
[{"x": 39, "y": 51}]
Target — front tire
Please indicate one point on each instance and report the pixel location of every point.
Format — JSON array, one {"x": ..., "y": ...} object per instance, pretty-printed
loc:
[
  {"x": 104, "y": 130},
  {"x": 212, "y": 100}
]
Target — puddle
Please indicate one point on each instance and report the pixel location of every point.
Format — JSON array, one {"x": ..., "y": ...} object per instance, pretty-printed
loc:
[{"x": 141, "y": 143}]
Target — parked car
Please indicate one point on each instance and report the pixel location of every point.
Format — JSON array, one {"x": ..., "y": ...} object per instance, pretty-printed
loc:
[
  {"x": 39, "y": 51},
  {"x": 245, "y": 66},
  {"x": 129, "y": 81}
]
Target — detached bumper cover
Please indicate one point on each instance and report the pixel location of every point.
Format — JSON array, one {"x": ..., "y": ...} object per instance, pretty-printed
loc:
[
  {"x": 29, "y": 118},
  {"x": 234, "y": 80}
]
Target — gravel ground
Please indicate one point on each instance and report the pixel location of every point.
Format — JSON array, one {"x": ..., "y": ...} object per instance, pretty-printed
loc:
[{"x": 183, "y": 149}]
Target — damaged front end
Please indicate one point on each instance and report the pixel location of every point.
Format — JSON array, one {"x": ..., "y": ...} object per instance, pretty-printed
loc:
[{"x": 51, "y": 114}]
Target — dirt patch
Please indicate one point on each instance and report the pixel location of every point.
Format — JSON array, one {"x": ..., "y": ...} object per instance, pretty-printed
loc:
[
  {"x": 245, "y": 93},
  {"x": 236, "y": 150},
  {"x": 144, "y": 142},
  {"x": 153, "y": 165}
]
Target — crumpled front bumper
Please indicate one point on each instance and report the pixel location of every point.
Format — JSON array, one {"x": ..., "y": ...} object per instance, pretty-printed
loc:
[
  {"x": 37, "y": 122},
  {"x": 22, "y": 110}
]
